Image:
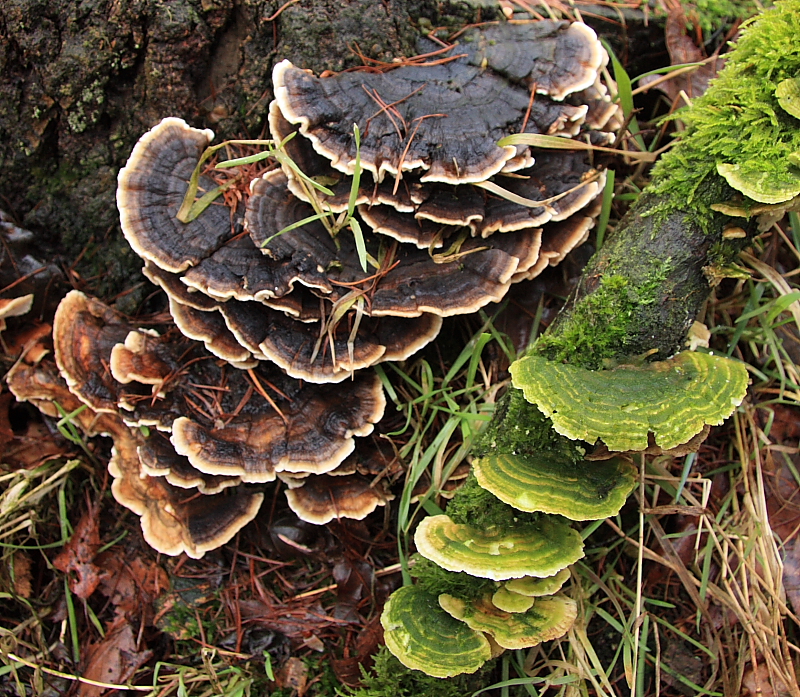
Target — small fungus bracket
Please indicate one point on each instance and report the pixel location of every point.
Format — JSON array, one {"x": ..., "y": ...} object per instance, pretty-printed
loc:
[
  {"x": 536, "y": 549},
  {"x": 549, "y": 618},
  {"x": 424, "y": 637}
]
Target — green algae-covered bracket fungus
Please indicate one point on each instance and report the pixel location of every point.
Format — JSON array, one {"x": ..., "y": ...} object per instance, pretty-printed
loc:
[
  {"x": 531, "y": 549},
  {"x": 762, "y": 184},
  {"x": 535, "y": 587},
  {"x": 549, "y": 618},
  {"x": 673, "y": 399},
  {"x": 424, "y": 637},
  {"x": 556, "y": 483},
  {"x": 509, "y": 601},
  {"x": 788, "y": 94}
]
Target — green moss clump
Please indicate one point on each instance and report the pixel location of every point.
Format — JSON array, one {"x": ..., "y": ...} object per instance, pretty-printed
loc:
[
  {"x": 435, "y": 580},
  {"x": 710, "y": 15},
  {"x": 518, "y": 427},
  {"x": 739, "y": 120},
  {"x": 390, "y": 678},
  {"x": 477, "y": 507},
  {"x": 600, "y": 325}
]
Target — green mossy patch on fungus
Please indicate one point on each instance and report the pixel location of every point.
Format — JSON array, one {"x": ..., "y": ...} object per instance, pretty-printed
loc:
[
  {"x": 739, "y": 119},
  {"x": 436, "y": 580}
]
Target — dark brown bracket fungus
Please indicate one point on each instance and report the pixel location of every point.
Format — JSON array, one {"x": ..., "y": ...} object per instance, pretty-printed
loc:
[
  {"x": 319, "y": 500},
  {"x": 291, "y": 305},
  {"x": 446, "y": 118},
  {"x": 173, "y": 520},
  {"x": 242, "y": 431},
  {"x": 151, "y": 188}
]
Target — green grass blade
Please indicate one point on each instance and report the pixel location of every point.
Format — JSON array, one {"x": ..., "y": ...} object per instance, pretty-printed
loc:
[
  {"x": 294, "y": 226},
  {"x": 361, "y": 246},
  {"x": 356, "y": 182},
  {"x": 249, "y": 160},
  {"x": 605, "y": 210}
]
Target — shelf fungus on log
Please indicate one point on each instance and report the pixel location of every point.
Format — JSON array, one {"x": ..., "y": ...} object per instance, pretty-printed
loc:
[
  {"x": 14, "y": 307},
  {"x": 471, "y": 274},
  {"x": 150, "y": 190},
  {"x": 509, "y": 601},
  {"x": 425, "y": 637},
  {"x": 324, "y": 498},
  {"x": 173, "y": 519},
  {"x": 535, "y": 549},
  {"x": 549, "y": 617},
  {"x": 535, "y": 587},
  {"x": 446, "y": 118},
  {"x": 286, "y": 305},
  {"x": 252, "y": 424},
  {"x": 672, "y": 399},
  {"x": 558, "y": 483}
]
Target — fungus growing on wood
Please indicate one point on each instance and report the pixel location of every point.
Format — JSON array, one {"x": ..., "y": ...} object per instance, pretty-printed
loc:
[
  {"x": 158, "y": 458},
  {"x": 84, "y": 333},
  {"x": 151, "y": 188},
  {"x": 134, "y": 360},
  {"x": 243, "y": 431},
  {"x": 560, "y": 483},
  {"x": 209, "y": 327},
  {"x": 509, "y": 601},
  {"x": 762, "y": 183},
  {"x": 424, "y": 637},
  {"x": 298, "y": 348},
  {"x": 324, "y": 498},
  {"x": 474, "y": 274},
  {"x": 14, "y": 307},
  {"x": 673, "y": 399},
  {"x": 173, "y": 521},
  {"x": 549, "y": 618},
  {"x": 534, "y": 549},
  {"x": 312, "y": 433},
  {"x": 535, "y": 587},
  {"x": 447, "y": 118}
]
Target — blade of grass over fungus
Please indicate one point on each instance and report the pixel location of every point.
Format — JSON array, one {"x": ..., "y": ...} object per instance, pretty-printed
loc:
[{"x": 190, "y": 208}]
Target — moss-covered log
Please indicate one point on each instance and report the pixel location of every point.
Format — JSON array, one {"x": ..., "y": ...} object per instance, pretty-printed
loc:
[
  {"x": 644, "y": 288},
  {"x": 641, "y": 292}
]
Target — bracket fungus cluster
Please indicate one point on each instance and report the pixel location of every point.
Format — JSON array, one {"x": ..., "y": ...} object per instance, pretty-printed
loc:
[
  {"x": 194, "y": 435},
  {"x": 391, "y": 206},
  {"x": 507, "y": 529}
]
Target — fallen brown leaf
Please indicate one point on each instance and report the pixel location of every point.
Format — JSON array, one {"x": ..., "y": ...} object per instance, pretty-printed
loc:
[
  {"x": 133, "y": 585},
  {"x": 22, "y": 574},
  {"x": 293, "y": 676},
  {"x": 683, "y": 50},
  {"x": 78, "y": 555},
  {"x": 760, "y": 683},
  {"x": 113, "y": 660}
]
